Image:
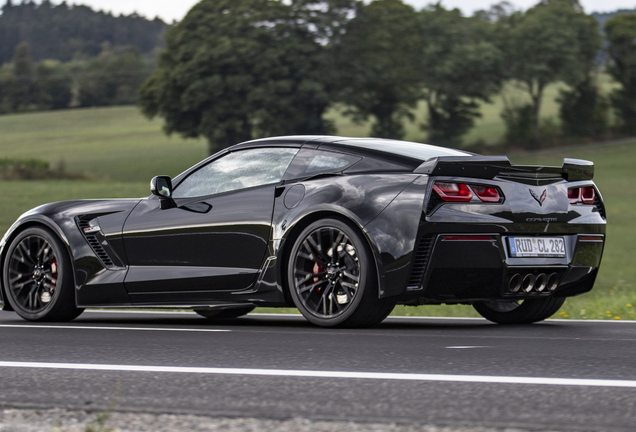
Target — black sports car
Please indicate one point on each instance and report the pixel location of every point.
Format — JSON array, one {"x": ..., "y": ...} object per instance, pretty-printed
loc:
[{"x": 341, "y": 228}]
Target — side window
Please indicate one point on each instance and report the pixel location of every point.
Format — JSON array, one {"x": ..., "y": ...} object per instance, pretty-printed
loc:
[
  {"x": 310, "y": 162},
  {"x": 326, "y": 163},
  {"x": 237, "y": 170}
]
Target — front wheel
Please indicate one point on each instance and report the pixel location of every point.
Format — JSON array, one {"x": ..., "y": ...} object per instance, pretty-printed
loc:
[
  {"x": 38, "y": 277},
  {"x": 514, "y": 312},
  {"x": 332, "y": 279}
]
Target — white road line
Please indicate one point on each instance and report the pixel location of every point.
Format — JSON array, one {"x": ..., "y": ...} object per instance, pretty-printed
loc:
[
  {"x": 467, "y": 347},
  {"x": 328, "y": 374},
  {"x": 286, "y": 315},
  {"x": 110, "y": 328},
  {"x": 160, "y": 312}
]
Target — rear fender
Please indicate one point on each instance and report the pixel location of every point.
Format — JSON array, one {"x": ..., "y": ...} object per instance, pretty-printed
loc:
[
  {"x": 360, "y": 200},
  {"x": 393, "y": 234}
]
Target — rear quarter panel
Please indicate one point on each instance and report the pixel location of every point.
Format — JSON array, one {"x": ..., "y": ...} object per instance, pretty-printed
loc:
[{"x": 386, "y": 208}]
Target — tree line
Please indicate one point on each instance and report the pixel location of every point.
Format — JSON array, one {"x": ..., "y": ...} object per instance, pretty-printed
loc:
[
  {"x": 111, "y": 78},
  {"x": 65, "y": 32},
  {"x": 233, "y": 70},
  {"x": 238, "y": 69},
  {"x": 58, "y": 56}
]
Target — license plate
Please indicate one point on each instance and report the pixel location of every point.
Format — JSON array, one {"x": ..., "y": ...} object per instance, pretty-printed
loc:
[{"x": 551, "y": 247}]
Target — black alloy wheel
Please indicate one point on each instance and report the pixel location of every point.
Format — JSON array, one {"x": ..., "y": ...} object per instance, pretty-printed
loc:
[
  {"x": 38, "y": 279},
  {"x": 332, "y": 277},
  {"x": 516, "y": 312}
]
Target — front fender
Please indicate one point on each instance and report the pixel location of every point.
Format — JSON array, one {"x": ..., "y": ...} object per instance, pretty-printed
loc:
[
  {"x": 60, "y": 217},
  {"x": 28, "y": 219}
]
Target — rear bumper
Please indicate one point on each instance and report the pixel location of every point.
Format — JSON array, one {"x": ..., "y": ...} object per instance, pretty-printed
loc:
[{"x": 464, "y": 268}]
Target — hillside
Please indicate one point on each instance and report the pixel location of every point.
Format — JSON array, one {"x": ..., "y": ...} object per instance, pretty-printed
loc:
[{"x": 63, "y": 32}]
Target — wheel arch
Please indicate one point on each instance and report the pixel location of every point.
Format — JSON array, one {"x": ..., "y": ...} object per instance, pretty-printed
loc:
[
  {"x": 292, "y": 233},
  {"x": 31, "y": 222}
]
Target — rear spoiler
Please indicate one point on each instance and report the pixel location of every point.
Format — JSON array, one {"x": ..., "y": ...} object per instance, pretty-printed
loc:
[{"x": 489, "y": 167}]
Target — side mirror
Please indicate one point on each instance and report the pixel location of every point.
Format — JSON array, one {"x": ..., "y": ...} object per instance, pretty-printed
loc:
[{"x": 161, "y": 186}]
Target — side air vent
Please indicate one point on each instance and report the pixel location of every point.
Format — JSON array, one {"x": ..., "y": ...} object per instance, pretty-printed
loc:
[
  {"x": 433, "y": 202},
  {"x": 91, "y": 235},
  {"x": 599, "y": 206},
  {"x": 422, "y": 256}
]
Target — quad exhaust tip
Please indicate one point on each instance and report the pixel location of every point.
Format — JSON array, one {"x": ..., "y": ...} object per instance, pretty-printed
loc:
[
  {"x": 553, "y": 281},
  {"x": 514, "y": 284},
  {"x": 529, "y": 282},
  {"x": 541, "y": 282}
]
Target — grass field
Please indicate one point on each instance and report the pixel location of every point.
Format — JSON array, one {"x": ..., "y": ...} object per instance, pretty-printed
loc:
[
  {"x": 120, "y": 151},
  {"x": 104, "y": 143}
]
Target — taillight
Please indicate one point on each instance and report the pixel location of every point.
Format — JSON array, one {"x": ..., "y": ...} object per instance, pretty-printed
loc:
[
  {"x": 586, "y": 195},
  {"x": 486, "y": 193},
  {"x": 574, "y": 194},
  {"x": 453, "y": 191},
  {"x": 460, "y": 192}
]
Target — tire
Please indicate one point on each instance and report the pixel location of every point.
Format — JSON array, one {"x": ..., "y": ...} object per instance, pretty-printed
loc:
[
  {"x": 220, "y": 314},
  {"x": 38, "y": 277},
  {"x": 527, "y": 312},
  {"x": 331, "y": 277}
]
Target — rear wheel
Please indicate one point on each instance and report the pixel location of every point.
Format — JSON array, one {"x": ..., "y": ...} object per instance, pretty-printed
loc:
[
  {"x": 214, "y": 313},
  {"x": 514, "y": 312},
  {"x": 38, "y": 277},
  {"x": 332, "y": 279}
]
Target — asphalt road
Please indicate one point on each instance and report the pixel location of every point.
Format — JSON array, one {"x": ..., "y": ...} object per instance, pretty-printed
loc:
[{"x": 555, "y": 375}]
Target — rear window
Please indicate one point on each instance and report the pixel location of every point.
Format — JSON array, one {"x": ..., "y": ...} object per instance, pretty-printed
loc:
[
  {"x": 310, "y": 162},
  {"x": 413, "y": 150},
  {"x": 326, "y": 163}
]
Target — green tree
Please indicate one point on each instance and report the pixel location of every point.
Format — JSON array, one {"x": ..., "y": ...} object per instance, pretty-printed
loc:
[
  {"x": 112, "y": 78},
  {"x": 326, "y": 18},
  {"x": 22, "y": 89},
  {"x": 53, "y": 85},
  {"x": 377, "y": 59},
  {"x": 237, "y": 69},
  {"x": 460, "y": 65},
  {"x": 620, "y": 32},
  {"x": 518, "y": 121},
  {"x": 6, "y": 83},
  {"x": 553, "y": 41},
  {"x": 27, "y": 86},
  {"x": 584, "y": 110}
]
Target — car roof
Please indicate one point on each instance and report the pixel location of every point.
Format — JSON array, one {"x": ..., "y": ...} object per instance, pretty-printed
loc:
[{"x": 411, "y": 150}]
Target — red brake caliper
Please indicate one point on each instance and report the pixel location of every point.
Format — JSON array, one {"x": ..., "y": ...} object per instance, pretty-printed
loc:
[
  {"x": 318, "y": 269},
  {"x": 53, "y": 273}
]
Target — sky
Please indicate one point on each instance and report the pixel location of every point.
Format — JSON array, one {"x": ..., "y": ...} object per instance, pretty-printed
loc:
[{"x": 170, "y": 10}]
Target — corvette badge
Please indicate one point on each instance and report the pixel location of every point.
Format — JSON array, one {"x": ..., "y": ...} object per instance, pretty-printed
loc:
[{"x": 541, "y": 198}]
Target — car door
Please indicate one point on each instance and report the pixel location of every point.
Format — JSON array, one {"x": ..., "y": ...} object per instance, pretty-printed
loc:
[{"x": 216, "y": 236}]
